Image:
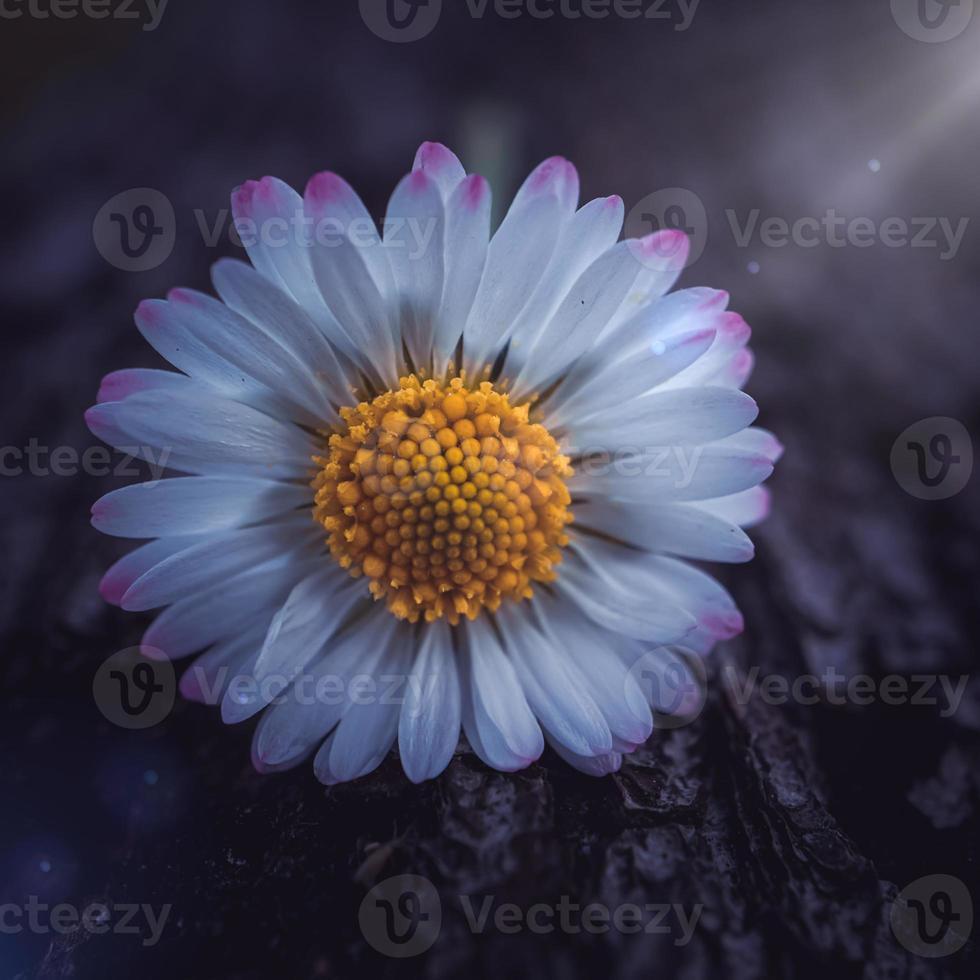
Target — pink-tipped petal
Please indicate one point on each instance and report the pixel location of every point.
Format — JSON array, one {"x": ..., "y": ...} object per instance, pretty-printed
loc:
[
  {"x": 476, "y": 190},
  {"x": 557, "y": 176},
  {"x": 441, "y": 165},
  {"x": 723, "y": 625}
]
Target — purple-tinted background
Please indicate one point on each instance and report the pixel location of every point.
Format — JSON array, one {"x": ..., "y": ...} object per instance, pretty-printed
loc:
[{"x": 778, "y": 106}]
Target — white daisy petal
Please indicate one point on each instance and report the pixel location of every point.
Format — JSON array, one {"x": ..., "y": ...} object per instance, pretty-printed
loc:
[
  {"x": 120, "y": 576},
  {"x": 662, "y": 257},
  {"x": 212, "y": 560},
  {"x": 702, "y": 595},
  {"x": 613, "y": 589},
  {"x": 414, "y": 240},
  {"x": 307, "y": 712},
  {"x": 441, "y": 165},
  {"x": 196, "y": 431},
  {"x": 667, "y": 420},
  {"x": 555, "y": 175},
  {"x": 735, "y": 372},
  {"x": 675, "y": 473},
  {"x": 519, "y": 254},
  {"x": 605, "y": 675},
  {"x": 588, "y": 234},
  {"x": 685, "y": 530},
  {"x": 193, "y": 505},
  {"x": 586, "y": 312},
  {"x": 315, "y": 609},
  {"x": 428, "y": 727},
  {"x": 496, "y": 711},
  {"x": 118, "y": 385},
  {"x": 666, "y": 679},
  {"x": 211, "y": 343},
  {"x": 557, "y": 692},
  {"x": 198, "y": 621},
  {"x": 249, "y": 295},
  {"x": 732, "y": 335},
  {"x": 680, "y": 312},
  {"x": 266, "y": 214},
  {"x": 591, "y": 765},
  {"x": 467, "y": 240},
  {"x": 348, "y": 259},
  {"x": 630, "y": 378},
  {"x": 210, "y": 675},
  {"x": 755, "y": 440},
  {"x": 746, "y": 509},
  {"x": 368, "y": 730}
]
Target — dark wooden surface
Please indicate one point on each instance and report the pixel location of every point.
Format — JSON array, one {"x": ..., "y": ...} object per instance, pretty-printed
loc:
[{"x": 792, "y": 825}]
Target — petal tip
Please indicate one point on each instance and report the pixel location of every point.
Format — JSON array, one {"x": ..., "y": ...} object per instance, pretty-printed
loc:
[{"x": 476, "y": 190}]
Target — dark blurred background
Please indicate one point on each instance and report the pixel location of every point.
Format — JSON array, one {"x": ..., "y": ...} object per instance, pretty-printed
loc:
[{"x": 794, "y": 829}]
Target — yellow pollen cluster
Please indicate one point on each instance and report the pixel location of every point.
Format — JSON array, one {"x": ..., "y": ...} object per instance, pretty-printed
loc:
[{"x": 447, "y": 499}]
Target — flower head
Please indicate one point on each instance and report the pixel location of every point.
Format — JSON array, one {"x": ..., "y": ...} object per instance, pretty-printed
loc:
[{"x": 472, "y": 468}]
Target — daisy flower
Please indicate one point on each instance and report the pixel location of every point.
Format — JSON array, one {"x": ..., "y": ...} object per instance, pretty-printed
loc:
[{"x": 434, "y": 479}]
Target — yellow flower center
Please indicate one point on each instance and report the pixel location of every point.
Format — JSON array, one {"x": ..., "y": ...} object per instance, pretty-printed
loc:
[{"x": 447, "y": 499}]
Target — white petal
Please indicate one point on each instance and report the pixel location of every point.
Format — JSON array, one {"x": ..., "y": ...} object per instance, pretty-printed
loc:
[
  {"x": 614, "y": 588},
  {"x": 193, "y": 505},
  {"x": 675, "y": 473},
  {"x": 428, "y": 729},
  {"x": 671, "y": 680},
  {"x": 129, "y": 568},
  {"x": 219, "y": 556},
  {"x": 498, "y": 722},
  {"x": 591, "y": 765},
  {"x": 746, "y": 509},
  {"x": 616, "y": 694},
  {"x": 583, "y": 315},
  {"x": 467, "y": 241},
  {"x": 250, "y": 295},
  {"x": 304, "y": 715},
  {"x": 555, "y": 688},
  {"x": 270, "y": 219},
  {"x": 367, "y": 731},
  {"x": 678, "y": 313},
  {"x": 665, "y": 420},
  {"x": 440, "y": 164},
  {"x": 118, "y": 385},
  {"x": 315, "y": 609},
  {"x": 629, "y": 378},
  {"x": 703, "y": 596},
  {"x": 662, "y": 256},
  {"x": 519, "y": 254},
  {"x": 208, "y": 678},
  {"x": 225, "y": 608},
  {"x": 588, "y": 234},
  {"x": 414, "y": 240},
  {"x": 347, "y": 260},
  {"x": 674, "y": 529},
  {"x": 213, "y": 344},
  {"x": 755, "y": 440},
  {"x": 732, "y": 335},
  {"x": 197, "y": 431}
]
